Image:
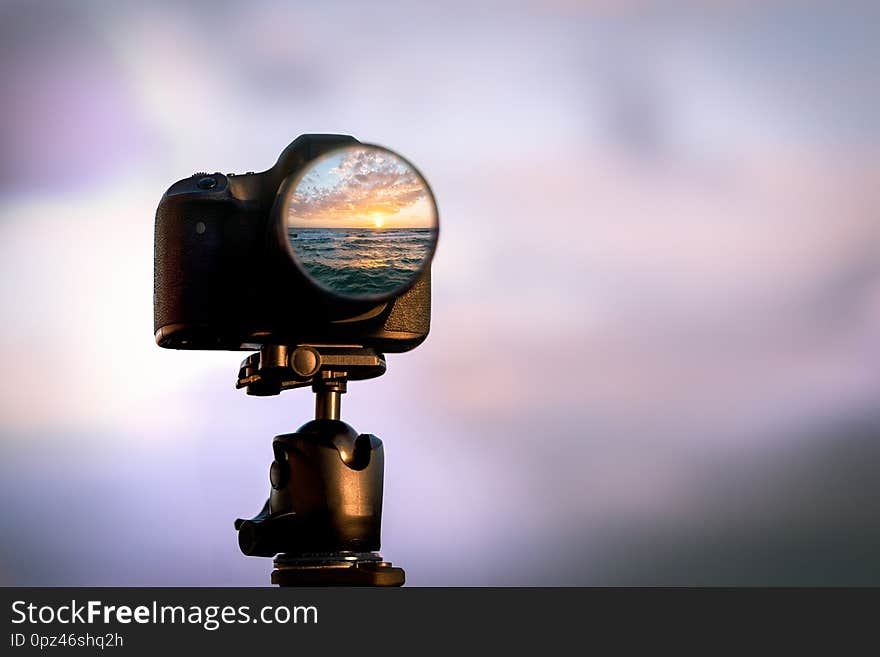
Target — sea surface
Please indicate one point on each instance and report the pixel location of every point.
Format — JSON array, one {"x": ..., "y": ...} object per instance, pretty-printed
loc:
[{"x": 362, "y": 261}]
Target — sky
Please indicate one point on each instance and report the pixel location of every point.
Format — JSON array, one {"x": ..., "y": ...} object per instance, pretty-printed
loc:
[
  {"x": 361, "y": 187},
  {"x": 655, "y": 346}
]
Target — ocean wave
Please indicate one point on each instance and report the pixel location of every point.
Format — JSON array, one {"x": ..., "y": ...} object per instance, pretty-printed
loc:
[{"x": 360, "y": 262}]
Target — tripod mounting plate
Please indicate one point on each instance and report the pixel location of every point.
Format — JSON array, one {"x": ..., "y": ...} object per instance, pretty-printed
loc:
[{"x": 280, "y": 367}]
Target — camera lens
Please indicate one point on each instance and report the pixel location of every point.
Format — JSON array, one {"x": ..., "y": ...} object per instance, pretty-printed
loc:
[{"x": 361, "y": 222}]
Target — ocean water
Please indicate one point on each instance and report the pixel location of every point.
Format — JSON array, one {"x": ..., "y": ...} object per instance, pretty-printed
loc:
[{"x": 362, "y": 261}]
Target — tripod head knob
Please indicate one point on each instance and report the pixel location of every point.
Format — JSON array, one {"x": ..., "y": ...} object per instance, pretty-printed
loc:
[{"x": 304, "y": 361}]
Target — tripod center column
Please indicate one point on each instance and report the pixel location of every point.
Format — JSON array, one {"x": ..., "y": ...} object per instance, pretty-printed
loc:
[{"x": 328, "y": 398}]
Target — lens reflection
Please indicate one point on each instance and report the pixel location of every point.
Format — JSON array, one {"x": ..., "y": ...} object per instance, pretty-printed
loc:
[{"x": 362, "y": 222}]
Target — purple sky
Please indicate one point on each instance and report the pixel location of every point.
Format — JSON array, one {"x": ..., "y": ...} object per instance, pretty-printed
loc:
[{"x": 656, "y": 319}]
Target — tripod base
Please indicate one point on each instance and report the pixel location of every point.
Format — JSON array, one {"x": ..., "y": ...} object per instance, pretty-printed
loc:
[{"x": 336, "y": 569}]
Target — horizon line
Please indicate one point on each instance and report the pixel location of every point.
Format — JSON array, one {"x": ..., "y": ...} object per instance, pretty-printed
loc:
[{"x": 289, "y": 227}]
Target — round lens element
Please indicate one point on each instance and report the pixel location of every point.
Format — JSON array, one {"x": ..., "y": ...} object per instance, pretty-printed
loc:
[{"x": 361, "y": 222}]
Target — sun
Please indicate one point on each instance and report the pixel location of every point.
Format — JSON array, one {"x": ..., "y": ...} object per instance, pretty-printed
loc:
[{"x": 378, "y": 220}]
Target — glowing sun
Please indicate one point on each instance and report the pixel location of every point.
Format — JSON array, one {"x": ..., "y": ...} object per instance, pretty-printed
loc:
[{"x": 378, "y": 220}]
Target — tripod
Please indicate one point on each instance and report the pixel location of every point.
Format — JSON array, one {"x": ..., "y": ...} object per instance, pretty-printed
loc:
[{"x": 324, "y": 512}]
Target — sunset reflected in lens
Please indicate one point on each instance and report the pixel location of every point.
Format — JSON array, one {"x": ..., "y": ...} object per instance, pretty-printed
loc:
[{"x": 362, "y": 222}]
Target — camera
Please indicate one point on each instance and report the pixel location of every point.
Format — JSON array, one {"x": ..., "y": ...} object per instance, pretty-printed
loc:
[
  {"x": 319, "y": 265},
  {"x": 330, "y": 246}
]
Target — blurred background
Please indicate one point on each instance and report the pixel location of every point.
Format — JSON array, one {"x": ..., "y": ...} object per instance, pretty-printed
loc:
[{"x": 655, "y": 350}]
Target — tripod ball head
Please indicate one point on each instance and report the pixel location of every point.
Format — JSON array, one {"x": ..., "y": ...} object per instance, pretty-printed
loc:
[{"x": 326, "y": 494}]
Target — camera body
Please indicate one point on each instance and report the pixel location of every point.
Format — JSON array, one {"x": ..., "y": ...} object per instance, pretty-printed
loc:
[{"x": 224, "y": 278}]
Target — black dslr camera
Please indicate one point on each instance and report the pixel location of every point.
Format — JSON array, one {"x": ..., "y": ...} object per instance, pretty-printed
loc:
[
  {"x": 320, "y": 265},
  {"x": 226, "y": 276}
]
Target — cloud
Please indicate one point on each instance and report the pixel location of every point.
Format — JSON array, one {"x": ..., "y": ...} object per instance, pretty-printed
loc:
[{"x": 365, "y": 181}]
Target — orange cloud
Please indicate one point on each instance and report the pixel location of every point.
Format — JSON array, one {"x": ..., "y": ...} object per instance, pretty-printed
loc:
[{"x": 367, "y": 180}]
